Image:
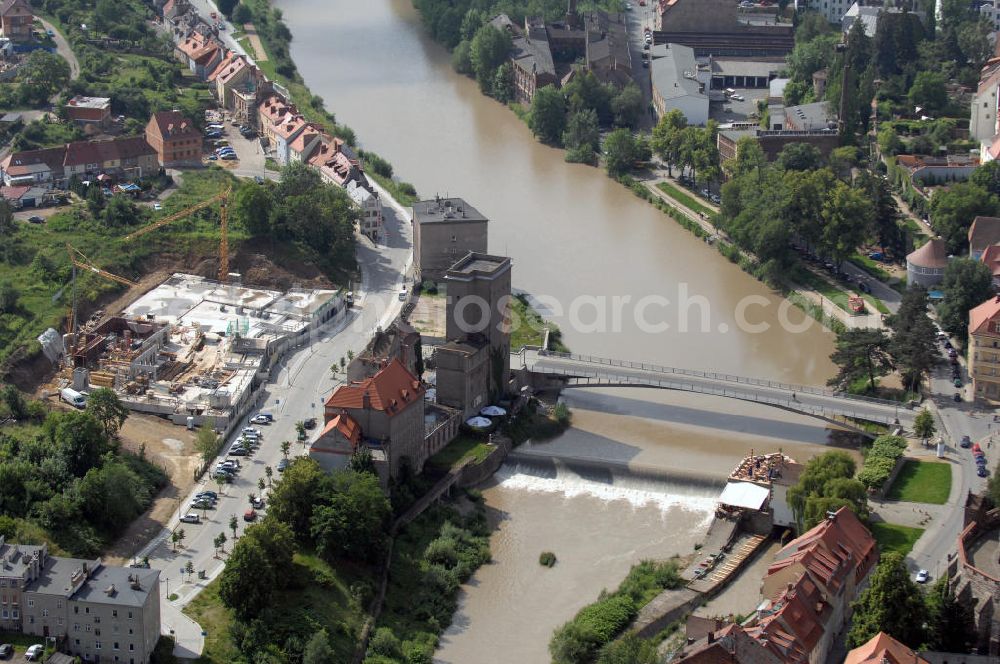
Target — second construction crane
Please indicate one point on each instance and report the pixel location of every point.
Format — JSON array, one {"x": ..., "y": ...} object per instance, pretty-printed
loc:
[{"x": 223, "y": 199}]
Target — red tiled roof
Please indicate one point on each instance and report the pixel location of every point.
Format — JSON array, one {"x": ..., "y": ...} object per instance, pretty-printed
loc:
[
  {"x": 843, "y": 538},
  {"x": 13, "y": 193},
  {"x": 984, "y": 232},
  {"x": 991, "y": 257},
  {"x": 391, "y": 390},
  {"x": 235, "y": 66},
  {"x": 883, "y": 649},
  {"x": 981, "y": 316},
  {"x": 51, "y": 157},
  {"x": 97, "y": 152},
  {"x": 796, "y": 622},
  {"x": 192, "y": 45},
  {"x": 346, "y": 425},
  {"x": 173, "y": 124}
]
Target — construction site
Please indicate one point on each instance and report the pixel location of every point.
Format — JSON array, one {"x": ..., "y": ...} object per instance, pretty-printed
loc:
[{"x": 195, "y": 350}]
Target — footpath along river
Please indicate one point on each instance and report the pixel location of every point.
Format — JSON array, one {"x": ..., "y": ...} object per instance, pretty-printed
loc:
[{"x": 579, "y": 240}]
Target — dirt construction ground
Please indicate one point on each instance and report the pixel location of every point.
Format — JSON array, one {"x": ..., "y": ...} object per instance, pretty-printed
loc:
[{"x": 170, "y": 447}]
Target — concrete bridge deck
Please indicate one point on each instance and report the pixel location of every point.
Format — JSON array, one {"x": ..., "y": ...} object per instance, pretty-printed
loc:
[{"x": 836, "y": 407}]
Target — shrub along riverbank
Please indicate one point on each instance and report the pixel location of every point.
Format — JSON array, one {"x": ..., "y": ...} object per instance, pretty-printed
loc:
[{"x": 593, "y": 634}]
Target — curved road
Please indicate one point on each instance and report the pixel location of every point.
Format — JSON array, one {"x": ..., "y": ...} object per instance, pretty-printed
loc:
[{"x": 63, "y": 49}]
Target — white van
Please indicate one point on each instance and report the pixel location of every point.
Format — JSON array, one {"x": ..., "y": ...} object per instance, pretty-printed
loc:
[
  {"x": 402, "y": 293},
  {"x": 72, "y": 397}
]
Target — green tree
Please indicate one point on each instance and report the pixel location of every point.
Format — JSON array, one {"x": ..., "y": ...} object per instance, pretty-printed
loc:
[
  {"x": 293, "y": 499},
  {"x": 352, "y": 523},
  {"x": 987, "y": 176},
  {"x": 226, "y": 6},
  {"x": 847, "y": 221},
  {"x": 285, "y": 447},
  {"x": 967, "y": 284},
  {"x": 207, "y": 443},
  {"x": 547, "y": 119},
  {"x": 913, "y": 345},
  {"x": 461, "y": 57},
  {"x": 79, "y": 438},
  {"x": 503, "y": 83},
  {"x": 627, "y": 106},
  {"x": 13, "y": 399},
  {"x": 487, "y": 51},
  {"x": 362, "y": 461},
  {"x": 247, "y": 582},
  {"x": 251, "y": 208},
  {"x": 928, "y": 91},
  {"x": 889, "y": 142},
  {"x": 950, "y": 622},
  {"x": 861, "y": 353},
  {"x": 953, "y": 209},
  {"x": 827, "y": 484},
  {"x": 582, "y": 137},
  {"x": 885, "y": 213},
  {"x": 120, "y": 211},
  {"x": 799, "y": 157},
  {"x": 892, "y": 603},
  {"x": 241, "y": 14},
  {"x": 418, "y": 358},
  {"x": 108, "y": 409},
  {"x": 585, "y": 91},
  {"x": 619, "y": 151},
  {"x": 9, "y": 296},
  {"x": 219, "y": 542},
  {"x": 923, "y": 425},
  {"x": 318, "y": 650},
  {"x": 41, "y": 75},
  {"x": 668, "y": 136},
  {"x": 233, "y": 525},
  {"x": 628, "y": 649}
]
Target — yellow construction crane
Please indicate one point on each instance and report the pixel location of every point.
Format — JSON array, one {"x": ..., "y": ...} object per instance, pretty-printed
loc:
[
  {"x": 79, "y": 260},
  {"x": 223, "y": 198}
]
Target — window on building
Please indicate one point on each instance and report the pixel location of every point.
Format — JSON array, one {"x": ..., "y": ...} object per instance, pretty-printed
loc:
[
  {"x": 15, "y": 614},
  {"x": 115, "y": 645},
  {"x": 114, "y": 613},
  {"x": 131, "y": 647},
  {"x": 97, "y": 645},
  {"x": 45, "y": 613},
  {"x": 31, "y": 603}
]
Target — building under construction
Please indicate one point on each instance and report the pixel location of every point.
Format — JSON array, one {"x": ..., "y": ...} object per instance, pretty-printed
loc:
[{"x": 195, "y": 350}]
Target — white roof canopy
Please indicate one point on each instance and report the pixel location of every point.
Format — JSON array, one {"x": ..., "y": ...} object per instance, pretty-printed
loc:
[{"x": 744, "y": 494}]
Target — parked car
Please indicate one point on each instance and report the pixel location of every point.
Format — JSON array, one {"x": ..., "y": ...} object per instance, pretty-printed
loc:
[
  {"x": 6, "y": 651},
  {"x": 212, "y": 157},
  {"x": 34, "y": 653},
  {"x": 864, "y": 287},
  {"x": 957, "y": 397},
  {"x": 282, "y": 465},
  {"x": 250, "y": 431},
  {"x": 966, "y": 442},
  {"x": 204, "y": 504},
  {"x": 229, "y": 157},
  {"x": 260, "y": 418},
  {"x": 957, "y": 382},
  {"x": 190, "y": 517},
  {"x": 207, "y": 494},
  {"x": 239, "y": 451},
  {"x": 982, "y": 472},
  {"x": 258, "y": 503},
  {"x": 157, "y": 206},
  {"x": 250, "y": 514},
  {"x": 922, "y": 576},
  {"x": 35, "y": 219},
  {"x": 310, "y": 423}
]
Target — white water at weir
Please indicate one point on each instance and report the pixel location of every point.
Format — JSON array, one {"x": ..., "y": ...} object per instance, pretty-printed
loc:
[{"x": 638, "y": 491}]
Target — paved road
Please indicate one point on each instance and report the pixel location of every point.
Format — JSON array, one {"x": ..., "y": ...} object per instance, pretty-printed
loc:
[
  {"x": 205, "y": 9},
  {"x": 635, "y": 20},
  {"x": 955, "y": 419},
  {"x": 299, "y": 386},
  {"x": 805, "y": 399},
  {"x": 63, "y": 49}
]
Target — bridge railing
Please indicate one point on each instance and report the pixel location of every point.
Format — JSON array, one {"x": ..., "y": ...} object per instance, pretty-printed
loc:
[
  {"x": 730, "y": 378},
  {"x": 828, "y": 413}
]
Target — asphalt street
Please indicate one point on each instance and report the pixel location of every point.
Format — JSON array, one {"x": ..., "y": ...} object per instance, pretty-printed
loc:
[{"x": 298, "y": 388}]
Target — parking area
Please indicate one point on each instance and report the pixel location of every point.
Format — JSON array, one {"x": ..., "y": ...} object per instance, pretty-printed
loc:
[
  {"x": 20, "y": 644},
  {"x": 736, "y": 110}
]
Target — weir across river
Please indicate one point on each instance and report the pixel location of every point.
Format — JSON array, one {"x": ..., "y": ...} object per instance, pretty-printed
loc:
[{"x": 548, "y": 369}]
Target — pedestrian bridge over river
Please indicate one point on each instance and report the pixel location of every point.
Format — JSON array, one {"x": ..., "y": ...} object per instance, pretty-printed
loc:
[{"x": 565, "y": 370}]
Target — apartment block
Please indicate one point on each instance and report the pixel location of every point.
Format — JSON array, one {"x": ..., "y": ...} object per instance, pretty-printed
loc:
[{"x": 95, "y": 612}]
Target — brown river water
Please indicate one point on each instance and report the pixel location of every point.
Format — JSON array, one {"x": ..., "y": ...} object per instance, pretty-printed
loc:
[{"x": 621, "y": 279}]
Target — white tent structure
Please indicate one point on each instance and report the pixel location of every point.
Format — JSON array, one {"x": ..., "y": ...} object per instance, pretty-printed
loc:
[{"x": 745, "y": 494}]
